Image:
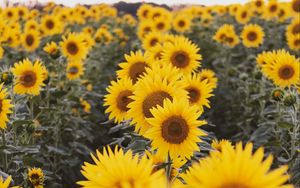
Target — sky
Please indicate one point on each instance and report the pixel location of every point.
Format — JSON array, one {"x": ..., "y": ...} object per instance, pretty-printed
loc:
[{"x": 169, "y": 2}]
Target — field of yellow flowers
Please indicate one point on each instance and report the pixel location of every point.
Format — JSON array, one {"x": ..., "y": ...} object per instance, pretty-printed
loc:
[{"x": 191, "y": 97}]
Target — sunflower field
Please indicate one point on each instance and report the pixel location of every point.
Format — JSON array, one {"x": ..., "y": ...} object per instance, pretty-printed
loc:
[{"x": 166, "y": 97}]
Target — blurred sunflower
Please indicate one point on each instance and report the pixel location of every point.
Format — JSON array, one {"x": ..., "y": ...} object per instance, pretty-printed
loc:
[
  {"x": 181, "y": 23},
  {"x": 1, "y": 52},
  {"x": 51, "y": 48},
  {"x": 121, "y": 169},
  {"x": 75, "y": 69},
  {"x": 149, "y": 93},
  {"x": 199, "y": 91},
  {"x": 134, "y": 67},
  {"x": 258, "y": 5},
  {"x": 73, "y": 47},
  {"x": 144, "y": 11},
  {"x": 272, "y": 9},
  {"x": 175, "y": 129},
  {"x": 5, "y": 106},
  {"x": 51, "y": 25},
  {"x": 293, "y": 42},
  {"x": 294, "y": 27},
  {"x": 182, "y": 54},
  {"x": 151, "y": 40},
  {"x": 236, "y": 167},
  {"x": 31, "y": 25},
  {"x": 31, "y": 40},
  {"x": 144, "y": 28},
  {"x": 36, "y": 177},
  {"x": 161, "y": 24},
  {"x": 243, "y": 15},
  {"x": 103, "y": 35},
  {"x": 29, "y": 77},
  {"x": 295, "y": 7},
  {"x": 5, "y": 183},
  {"x": 86, "y": 105},
  {"x": 118, "y": 98},
  {"x": 217, "y": 145},
  {"x": 252, "y": 35},
  {"x": 210, "y": 76}
]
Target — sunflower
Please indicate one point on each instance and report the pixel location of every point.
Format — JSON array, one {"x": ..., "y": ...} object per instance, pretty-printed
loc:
[
  {"x": 75, "y": 69},
  {"x": 271, "y": 10},
  {"x": 29, "y": 77},
  {"x": 161, "y": 24},
  {"x": 31, "y": 25},
  {"x": 283, "y": 13},
  {"x": 198, "y": 91},
  {"x": 295, "y": 7},
  {"x": 118, "y": 98},
  {"x": 252, "y": 35},
  {"x": 210, "y": 76},
  {"x": 35, "y": 176},
  {"x": 51, "y": 25},
  {"x": 292, "y": 40},
  {"x": 121, "y": 169},
  {"x": 73, "y": 47},
  {"x": 5, "y": 105},
  {"x": 12, "y": 38},
  {"x": 181, "y": 23},
  {"x": 149, "y": 93},
  {"x": 174, "y": 128},
  {"x": 227, "y": 36},
  {"x": 154, "y": 54},
  {"x": 217, "y": 145},
  {"x": 144, "y": 11},
  {"x": 236, "y": 167},
  {"x": 243, "y": 15},
  {"x": 151, "y": 40},
  {"x": 5, "y": 183},
  {"x": 258, "y": 5},
  {"x": 51, "y": 48},
  {"x": 294, "y": 27},
  {"x": 285, "y": 70},
  {"x": 103, "y": 35},
  {"x": 31, "y": 40},
  {"x": 183, "y": 54},
  {"x": 85, "y": 105},
  {"x": 134, "y": 67}
]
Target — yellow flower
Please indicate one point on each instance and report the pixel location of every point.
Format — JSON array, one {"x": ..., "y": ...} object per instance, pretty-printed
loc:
[
  {"x": 252, "y": 35},
  {"x": 103, "y": 35},
  {"x": 121, "y": 169},
  {"x": 86, "y": 106},
  {"x": 243, "y": 15},
  {"x": 51, "y": 48},
  {"x": 175, "y": 129},
  {"x": 31, "y": 40},
  {"x": 75, "y": 69},
  {"x": 294, "y": 42},
  {"x": 36, "y": 177},
  {"x": 51, "y": 25},
  {"x": 227, "y": 36},
  {"x": 161, "y": 24},
  {"x": 144, "y": 28},
  {"x": 295, "y": 7},
  {"x": 236, "y": 167},
  {"x": 5, "y": 106},
  {"x": 31, "y": 25},
  {"x": 73, "y": 47},
  {"x": 151, "y": 40},
  {"x": 118, "y": 98},
  {"x": 144, "y": 11},
  {"x": 5, "y": 183},
  {"x": 29, "y": 77},
  {"x": 294, "y": 27},
  {"x": 182, "y": 23},
  {"x": 217, "y": 145},
  {"x": 271, "y": 10},
  {"x": 258, "y": 5},
  {"x": 182, "y": 54},
  {"x": 210, "y": 76}
]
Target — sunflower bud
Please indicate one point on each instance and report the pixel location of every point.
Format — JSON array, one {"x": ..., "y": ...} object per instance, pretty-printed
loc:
[
  {"x": 289, "y": 100},
  {"x": 6, "y": 77},
  {"x": 277, "y": 94}
]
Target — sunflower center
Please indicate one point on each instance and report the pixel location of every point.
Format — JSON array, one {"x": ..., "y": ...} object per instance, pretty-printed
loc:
[
  {"x": 153, "y": 42},
  {"x": 1, "y": 106},
  {"x": 154, "y": 99},
  {"x": 123, "y": 100},
  {"x": 296, "y": 6},
  {"x": 29, "y": 40},
  {"x": 281, "y": 13},
  {"x": 49, "y": 24},
  {"x": 194, "y": 94},
  {"x": 147, "y": 29},
  {"x": 72, "y": 48},
  {"x": 273, "y": 8},
  {"x": 181, "y": 23},
  {"x": 145, "y": 13},
  {"x": 258, "y": 3},
  {"x": 297, "y": 42},
  {"x": 252, "y": 36},
  {"x": 28, "y": 79},
  {"x": 233, "y": 185},
  {"x": 73, "y": 70},
  {"x": 229, "y": 39},
  {"x": 175, "y": 130},
  {"x": 244, "y": 14},
  {"x": 286, "y": 72},
  {"x": 137, "y": 70},
  {"x": 296, "y": 29},
  {"x": 21, "y": 13},
  {"x": 9, "y": 14},
  {"x": 160, "y": 26},
  {"x": 180, "y": 59}
]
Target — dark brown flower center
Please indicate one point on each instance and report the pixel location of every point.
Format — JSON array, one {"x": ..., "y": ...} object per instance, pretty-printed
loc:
[
  {"x": 296, "y": 29},
  {"x": 145, "y": 13},
  {"x": 180, "y": 59},
  {"x": 229, "y": 40},
  {"x": 123, "y": 100},
  {"x": 244, "y": 14},
  {"x": 49, "y": 24},
  {"x": 73, "y": 70},
  {"x": 297, "y": 42},
  {"x": 21, "y": 13},
  {"x": 72, "y": 48},
  {"x": 29, "y": 40},
  {"x": 281, "y": 13},
  {"x": 181, "y": 23},
  {"x": 252, "y": 36},
  {"x": 28, "y": 79},
  {"x": 194, "y": 94},
  {"x": 154, "y": 99},
  {"x": 296, "y": 5},
  {"x": 9, "y": 14},
  {"x": 153, "y": 42},
  {"x": 286, "y": 72},
  {"x": 1, "y": 105},
  {"x": 273, "y": 8},
  {"x": 258, "y": 3},
  {"x": 137, "y": 70},
  {"x": 174, "y": 130},
  {"x": 160, "y": 26}
]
